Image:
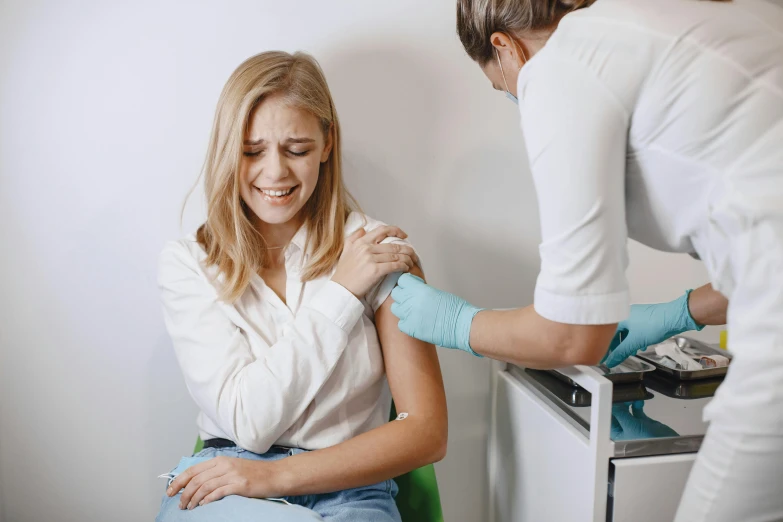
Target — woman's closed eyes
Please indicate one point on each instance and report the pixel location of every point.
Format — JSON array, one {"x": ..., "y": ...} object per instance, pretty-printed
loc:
[{"x": 257, "y": 153}]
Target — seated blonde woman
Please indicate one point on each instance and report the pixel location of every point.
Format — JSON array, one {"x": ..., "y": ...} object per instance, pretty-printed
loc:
[{"x": 279, "y": 312}]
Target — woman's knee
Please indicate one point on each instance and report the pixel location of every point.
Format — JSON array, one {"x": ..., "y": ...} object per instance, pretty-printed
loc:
[{"x": 236, "y": 509}]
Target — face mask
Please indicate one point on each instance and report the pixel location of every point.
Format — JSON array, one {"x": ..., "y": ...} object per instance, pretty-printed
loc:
[{"x": 508, "y": 92}]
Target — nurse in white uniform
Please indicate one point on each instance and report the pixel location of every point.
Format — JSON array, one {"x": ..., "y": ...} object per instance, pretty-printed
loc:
[{"x": 662, "y": 121}]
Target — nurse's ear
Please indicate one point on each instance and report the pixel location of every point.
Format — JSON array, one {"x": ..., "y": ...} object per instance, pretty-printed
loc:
[
  {"x": 510, "y": 47},
  {"x": 328, "y": 145}
]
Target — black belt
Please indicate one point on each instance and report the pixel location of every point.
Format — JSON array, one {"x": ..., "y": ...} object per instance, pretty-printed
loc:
[
  {"x": 219, "y": 443},
  {"x": 225, "y": 443}
]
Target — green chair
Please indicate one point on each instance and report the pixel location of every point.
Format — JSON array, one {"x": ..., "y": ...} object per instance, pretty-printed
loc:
[{"x": 418, "y": 499}]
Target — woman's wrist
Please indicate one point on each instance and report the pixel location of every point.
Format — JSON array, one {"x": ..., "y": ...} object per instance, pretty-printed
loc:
[{"x": 280, "y": 478}]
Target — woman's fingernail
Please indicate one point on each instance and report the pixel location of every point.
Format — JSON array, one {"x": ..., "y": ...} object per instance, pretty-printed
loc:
[
  {"x": 201, "y": 503},
  {"x": 169, "y": 491},
  {"x": 190, "y": 506}
]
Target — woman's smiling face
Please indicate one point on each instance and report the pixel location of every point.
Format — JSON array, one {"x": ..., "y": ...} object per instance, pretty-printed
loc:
[{"x": 283, "y": 150}]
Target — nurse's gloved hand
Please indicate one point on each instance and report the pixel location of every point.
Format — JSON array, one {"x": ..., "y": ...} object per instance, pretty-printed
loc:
[
  {"x": 647, "y": 325},
  {"x": 432, "y": 315},
  {"x": 635, "y": 424}
]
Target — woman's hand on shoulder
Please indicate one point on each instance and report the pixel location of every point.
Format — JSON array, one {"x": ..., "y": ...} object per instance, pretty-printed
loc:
[{"x": 365, "y": 261}]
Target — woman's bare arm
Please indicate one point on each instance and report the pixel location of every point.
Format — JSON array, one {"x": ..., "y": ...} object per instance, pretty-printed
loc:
[{"x": 413, "y": 371}]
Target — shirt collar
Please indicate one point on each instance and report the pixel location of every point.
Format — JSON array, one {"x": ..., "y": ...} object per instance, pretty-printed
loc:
[{"x": 299, "y": 240}]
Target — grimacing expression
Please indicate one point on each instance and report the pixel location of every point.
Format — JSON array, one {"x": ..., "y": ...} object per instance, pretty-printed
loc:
[{"x": 281, "y": 158}]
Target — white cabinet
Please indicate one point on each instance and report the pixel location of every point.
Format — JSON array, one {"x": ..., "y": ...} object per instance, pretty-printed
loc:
[
  {"x": 648, "y": 489},
  {"x": 542, "y": 467},
  {"x": 547, "y": 466}
]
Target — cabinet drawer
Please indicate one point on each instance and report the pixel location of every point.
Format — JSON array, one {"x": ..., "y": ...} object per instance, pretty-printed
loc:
[{"x": 647, "y": 489}]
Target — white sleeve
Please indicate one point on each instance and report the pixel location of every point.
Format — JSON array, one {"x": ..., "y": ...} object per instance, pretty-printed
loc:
[
  {"x": 576, "y": 135},
  {"x": 253, "y": 400}
]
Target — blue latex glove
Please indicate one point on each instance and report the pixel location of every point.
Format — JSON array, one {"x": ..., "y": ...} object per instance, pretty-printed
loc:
[
  {"x": 432, "y": 315},
  {"x": 635, "y": 424},
  {"x": 647, "y": 325}
]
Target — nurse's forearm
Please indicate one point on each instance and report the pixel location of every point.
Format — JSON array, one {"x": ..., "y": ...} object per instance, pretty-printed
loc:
[
  {"x": 707, "y": 306},
  {"x": 525, "y": 338}
]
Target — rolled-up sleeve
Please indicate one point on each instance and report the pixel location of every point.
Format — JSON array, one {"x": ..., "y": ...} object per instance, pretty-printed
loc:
[{"x": 576, "y": 135}]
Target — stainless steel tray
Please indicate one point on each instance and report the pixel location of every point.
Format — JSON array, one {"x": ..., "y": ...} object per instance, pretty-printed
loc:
[
  {"x": 693, "y": 389},
  {"x": 576, "y": 396},
  {"x": 690, "y": 347},
  {"x": 630, "y": 370}
]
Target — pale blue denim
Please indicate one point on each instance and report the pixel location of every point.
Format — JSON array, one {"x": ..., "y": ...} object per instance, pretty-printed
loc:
[{"x": 367, "y": 504}]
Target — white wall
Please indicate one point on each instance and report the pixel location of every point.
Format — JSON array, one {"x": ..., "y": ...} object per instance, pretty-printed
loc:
[{"x": 105, "y": 110}]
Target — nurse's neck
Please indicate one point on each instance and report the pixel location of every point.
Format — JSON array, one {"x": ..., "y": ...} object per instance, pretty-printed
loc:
[{"x": 534, "y": 41}]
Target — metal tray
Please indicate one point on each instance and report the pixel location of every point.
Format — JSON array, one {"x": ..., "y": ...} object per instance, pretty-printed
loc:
[
  {"x": 579, "y": 397},
  {"x": 690, "y": 347},
  {"x": 687, "y": 390},
  {"x": 630, "y": 370}
]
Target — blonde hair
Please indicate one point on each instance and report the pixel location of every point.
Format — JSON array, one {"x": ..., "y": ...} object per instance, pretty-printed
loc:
[
  {"x": 477, "y": 20},
  {"x": 231, "y": 241}
]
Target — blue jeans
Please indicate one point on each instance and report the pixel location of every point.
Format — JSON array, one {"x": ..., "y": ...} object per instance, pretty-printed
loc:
[{"x": 366, "y": 504}]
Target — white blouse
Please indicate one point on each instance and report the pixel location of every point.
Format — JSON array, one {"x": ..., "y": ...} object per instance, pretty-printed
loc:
[{"x": 306, "y": 374}]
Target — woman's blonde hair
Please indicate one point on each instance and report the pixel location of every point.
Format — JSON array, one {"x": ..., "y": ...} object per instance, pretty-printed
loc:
[
  {"x": 477, "y": 20},
  {"x": 231, "y": 241}
]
